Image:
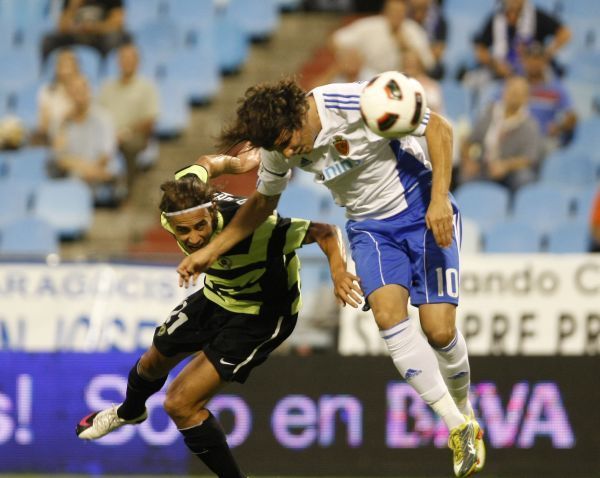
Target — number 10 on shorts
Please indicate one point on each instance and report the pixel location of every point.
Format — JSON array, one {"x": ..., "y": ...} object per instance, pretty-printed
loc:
[{"x": 447, "y": 284}]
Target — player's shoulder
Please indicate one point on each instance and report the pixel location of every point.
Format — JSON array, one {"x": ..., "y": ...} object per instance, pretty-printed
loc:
[{"x": 332, "y": 91}]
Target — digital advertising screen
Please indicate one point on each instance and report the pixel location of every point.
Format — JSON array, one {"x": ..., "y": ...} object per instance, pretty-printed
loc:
[{"x": 318, "y": 415}]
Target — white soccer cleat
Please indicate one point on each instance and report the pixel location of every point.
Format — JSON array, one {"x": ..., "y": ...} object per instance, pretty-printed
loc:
[
  {"x": 462, "y": 442},
  {"x": 97, "y": 424}
]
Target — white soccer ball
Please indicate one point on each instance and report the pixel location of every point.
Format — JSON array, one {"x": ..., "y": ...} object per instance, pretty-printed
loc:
[{"x": 393, "y": 104}]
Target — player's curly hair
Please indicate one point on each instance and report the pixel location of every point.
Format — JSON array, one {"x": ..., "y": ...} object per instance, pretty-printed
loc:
[
  {"x": 265, "y": 111},
  {"x": 184, "y": 193}
]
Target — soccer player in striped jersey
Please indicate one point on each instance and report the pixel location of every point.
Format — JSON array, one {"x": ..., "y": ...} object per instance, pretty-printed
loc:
[
  {"x": 403, "y": 227},
  {"x": 248, "y": 307}
]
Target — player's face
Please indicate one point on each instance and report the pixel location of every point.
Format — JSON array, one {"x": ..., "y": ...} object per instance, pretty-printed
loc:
[
  {"x": 299, "y": 141},
  {"x": 193, "y": 229}
]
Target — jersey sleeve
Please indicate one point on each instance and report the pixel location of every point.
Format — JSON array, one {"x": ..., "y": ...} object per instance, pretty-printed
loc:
[
  {"x": 273, "y": 174},
  {"x": 420, "y": 130},
  {"x": 295, "y": 234},
  {"x": 194, "y": 169}
]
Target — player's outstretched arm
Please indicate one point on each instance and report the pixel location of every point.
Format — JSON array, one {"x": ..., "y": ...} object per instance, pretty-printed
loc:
[
  {"x": 252, "y": 214},
  {"x": 439, "y": 213},
  {"x": 329, "y": 238},
  {"x": 236, "y": 160}
]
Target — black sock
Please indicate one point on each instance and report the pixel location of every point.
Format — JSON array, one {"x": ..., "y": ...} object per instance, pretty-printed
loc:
[
  {"x": 138, "y": 391},
  {"x": 207, "y": 441}
]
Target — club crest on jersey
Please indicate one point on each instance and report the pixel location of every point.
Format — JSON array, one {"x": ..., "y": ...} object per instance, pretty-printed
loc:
[
  {"x": 225, "y": 262},
  {"x": 341, "y": 145}
]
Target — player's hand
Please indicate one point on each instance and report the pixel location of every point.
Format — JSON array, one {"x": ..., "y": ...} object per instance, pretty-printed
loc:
[
  {"x": 346, "y": 289},
  {"x": 190, "y": 268},
  {"x": 439, "y": 220}
]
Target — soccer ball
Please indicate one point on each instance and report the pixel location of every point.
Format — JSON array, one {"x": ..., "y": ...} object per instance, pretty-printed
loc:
[{"x": 392, "y": 104}]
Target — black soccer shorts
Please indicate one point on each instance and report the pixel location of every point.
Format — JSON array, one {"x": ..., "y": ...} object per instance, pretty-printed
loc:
[{"x": 234, "y": 343}]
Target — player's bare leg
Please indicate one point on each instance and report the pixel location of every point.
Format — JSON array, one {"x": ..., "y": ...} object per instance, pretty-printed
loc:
[
  {"x": 146, "y": 377},
  {"x": 438, "y": 322},
  {"x": 186, "y": 399},
  {"x": 415, "y": 360}
]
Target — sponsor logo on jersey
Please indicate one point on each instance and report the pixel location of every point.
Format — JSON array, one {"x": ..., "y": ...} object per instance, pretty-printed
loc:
[
  {"x": 341, "y": 145},
  {"x": 225, "y": 262}
]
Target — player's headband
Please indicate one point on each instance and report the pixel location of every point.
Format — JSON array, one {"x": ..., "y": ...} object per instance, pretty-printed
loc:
[{"x": 185, "y": 211}]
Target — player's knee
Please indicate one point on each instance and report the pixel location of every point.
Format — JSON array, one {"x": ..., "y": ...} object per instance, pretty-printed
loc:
[
  {"x": 440, "y": 336},
  {"x": 176, "y": 406},
  {"x": 386, "y": 318}
]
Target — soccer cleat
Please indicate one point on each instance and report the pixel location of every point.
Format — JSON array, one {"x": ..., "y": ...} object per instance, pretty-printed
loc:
[
  {"x": 462, "y": 442},
  {"x": 101, "y": 423},
  {"x": 479, "y": 445}
]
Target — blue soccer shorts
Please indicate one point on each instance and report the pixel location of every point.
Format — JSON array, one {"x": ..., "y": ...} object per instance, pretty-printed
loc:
[{"x": 401, "y": 250}]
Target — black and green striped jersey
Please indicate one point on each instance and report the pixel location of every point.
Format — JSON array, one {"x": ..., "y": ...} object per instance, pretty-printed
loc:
[{"x": 260, "y": 274}]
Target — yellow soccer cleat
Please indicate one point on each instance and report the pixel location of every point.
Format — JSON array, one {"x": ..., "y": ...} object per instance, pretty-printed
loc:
[{"x": 462, "y": 442}]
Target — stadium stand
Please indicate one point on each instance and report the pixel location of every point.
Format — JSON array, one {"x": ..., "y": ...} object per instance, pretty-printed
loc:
[
  {"x": 512, "y": 237},
  {"x": 28, "y": 237},
  {"x": 484, "y": 202},
  {"x": 66, "y": 204}
]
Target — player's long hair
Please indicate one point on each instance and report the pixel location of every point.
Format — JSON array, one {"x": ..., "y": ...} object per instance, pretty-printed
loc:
[
  {"x": 185, "y": 193},
  {"x": 265, "y": 111}
]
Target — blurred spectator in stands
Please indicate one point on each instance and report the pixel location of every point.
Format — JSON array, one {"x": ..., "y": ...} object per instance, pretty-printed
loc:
[
  {"x": 347, "y": 66},
  {"x": 85, "y": 144},
  {"x": 505, "y": 143},
  {"x": 549, "y": 101},
  {"x": 414, "y": 68},
  {"x": 54, "y": 103},
  {"x": 12, "y": 133},
  {"x": 499, "y": 44},
  {"x": 595, "y": 223},
  {"x": 381, "y": 40},
  {"x": 132, "y": 102},
  {"x": 428, "y": 14},
  {"x": 96, "y": 23}
]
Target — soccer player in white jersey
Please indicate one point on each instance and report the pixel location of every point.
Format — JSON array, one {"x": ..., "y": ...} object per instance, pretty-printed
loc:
[{"x": 403, "y": 227}]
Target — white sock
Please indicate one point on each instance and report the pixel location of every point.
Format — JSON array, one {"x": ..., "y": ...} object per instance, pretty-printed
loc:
[
  {"x": 413, "y": 357},
  {"x": 446, "y": 409},
  {"x": 453, "y": 360}
]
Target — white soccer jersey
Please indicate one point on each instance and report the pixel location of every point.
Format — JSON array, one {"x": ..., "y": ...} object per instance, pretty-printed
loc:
[{"x": 366, "y": 173}]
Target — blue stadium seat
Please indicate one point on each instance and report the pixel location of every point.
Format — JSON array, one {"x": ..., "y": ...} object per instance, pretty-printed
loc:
[
  {"x": 66, "y": 204},
  {"x": 259, "y": 18},
  {"x": 585, "y": 66},
  {"x": 28, "y": 164},
  {"x": 24, "y": 104},
  {"x": 456, "y": 100},
  {"x": 587, "y": 137},
  {"x": 574, "y": 172},
  {"x": 304, "y": 202},
  {"x": 512, "y": 237},
  {"x": 174, "y": 110},
  {"x": 139, "y": 13},
  {"x": 18, "y": 69},
  {"x": 195, "y": 69},
  {"x": 15, "y": 199},
  {"x": 232, "y": 48},
  {"x": 483, "y": 201},
  {"x": 541, "y": 206},
  {"x": 582, "y": 201},
  {"x": 569, "y": 237},
  {"x": 159, "y": 38},
  {"x": 584, "y": 95},
  {"x": 28, "y": 236},
  {"x": 189, "y": 13}
]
